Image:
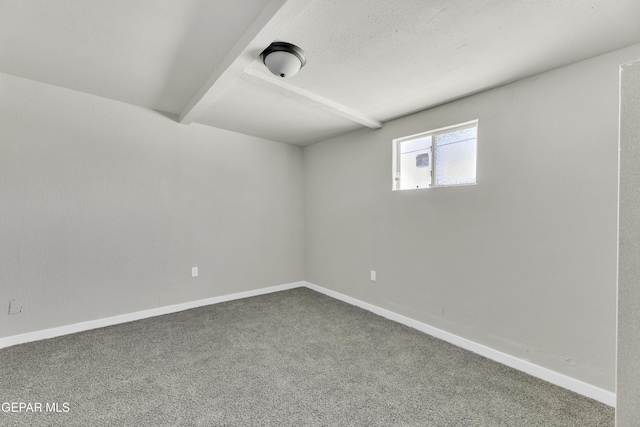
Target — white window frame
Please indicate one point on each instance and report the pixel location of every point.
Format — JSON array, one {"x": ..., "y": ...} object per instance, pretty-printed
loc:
[{"x": 396, "y": 172}]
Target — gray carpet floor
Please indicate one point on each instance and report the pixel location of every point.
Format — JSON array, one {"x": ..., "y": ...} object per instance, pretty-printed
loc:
[{"x": 293, "y": 358}]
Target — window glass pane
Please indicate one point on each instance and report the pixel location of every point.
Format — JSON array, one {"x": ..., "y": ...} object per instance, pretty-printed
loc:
[
  {"x": 456, "y": 157},
  {"x": 415, "y": 163}
]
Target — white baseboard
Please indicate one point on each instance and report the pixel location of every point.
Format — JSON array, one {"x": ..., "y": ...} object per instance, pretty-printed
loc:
[
  {"x": 580, "y": 387},
  {"x": 564, "y": 381},
  {"x": 129, "y": 317}
]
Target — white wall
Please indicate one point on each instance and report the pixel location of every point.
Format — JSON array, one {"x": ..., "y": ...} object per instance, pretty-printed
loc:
[
  {"x": 524, "y": 262},
  {"x": 107, "y": 206},
  {"x": 628, "y": 386}
]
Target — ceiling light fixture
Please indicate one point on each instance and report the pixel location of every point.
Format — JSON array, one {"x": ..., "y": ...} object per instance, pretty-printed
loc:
[{"x": 283, "y": 59}]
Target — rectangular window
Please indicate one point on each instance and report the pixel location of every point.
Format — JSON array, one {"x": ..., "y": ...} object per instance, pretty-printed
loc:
[{"x": 438, "y": 158}]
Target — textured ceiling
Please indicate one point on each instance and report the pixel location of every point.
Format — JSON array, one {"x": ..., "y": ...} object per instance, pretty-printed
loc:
[
  {"x": 154, "y": 53},
  {"x": 369, "y": 61},
  {"x": 388, "y": 58}
]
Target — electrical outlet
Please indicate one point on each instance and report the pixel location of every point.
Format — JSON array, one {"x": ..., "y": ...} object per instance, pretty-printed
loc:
[
  {"x": 194, "y": 271},
  {"x": 15, "y": 306},
  {"x": 373, "y": 276}
]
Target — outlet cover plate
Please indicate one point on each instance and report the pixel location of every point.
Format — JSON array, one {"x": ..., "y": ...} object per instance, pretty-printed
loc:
[{"x": 15, "y": 306}]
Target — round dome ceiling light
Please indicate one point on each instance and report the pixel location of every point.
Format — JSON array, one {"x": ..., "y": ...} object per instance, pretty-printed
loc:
[{"x": 283, "y": 59}]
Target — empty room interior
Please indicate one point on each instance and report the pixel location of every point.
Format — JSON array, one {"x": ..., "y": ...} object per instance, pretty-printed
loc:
[{"x": 319, "y": 212}]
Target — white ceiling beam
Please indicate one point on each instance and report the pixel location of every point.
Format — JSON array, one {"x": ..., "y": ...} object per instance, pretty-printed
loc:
[
  {"x": 311, "y": 99},
  {"x": 264, "y": 29}
]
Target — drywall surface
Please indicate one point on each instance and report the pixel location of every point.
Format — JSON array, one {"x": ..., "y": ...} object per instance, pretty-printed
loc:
[
  {"x": 523, "y": 262},
  {"x": 107, "y": 206},
  {"x": 628, "y": 386}
]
